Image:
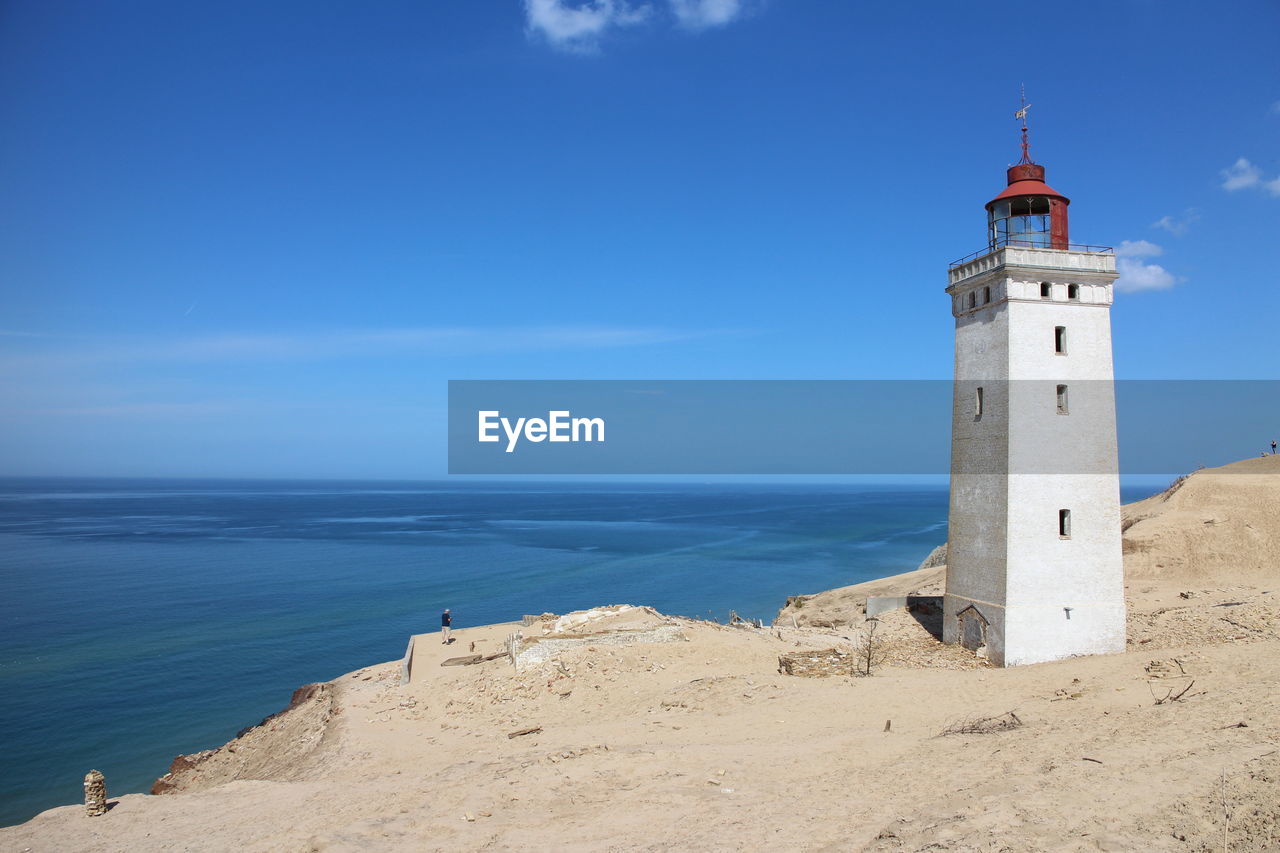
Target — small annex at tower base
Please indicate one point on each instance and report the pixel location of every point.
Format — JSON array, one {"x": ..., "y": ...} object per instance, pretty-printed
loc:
[{"x": 1015, "y": 636}]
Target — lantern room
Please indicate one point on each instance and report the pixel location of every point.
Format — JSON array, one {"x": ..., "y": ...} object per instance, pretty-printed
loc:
[{"x": 1029, "y": 212}]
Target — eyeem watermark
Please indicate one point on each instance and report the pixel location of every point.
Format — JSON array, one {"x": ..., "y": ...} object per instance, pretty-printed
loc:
[
  {"x": 880, "y": 427},
  {"x": 557, "y": 426}
]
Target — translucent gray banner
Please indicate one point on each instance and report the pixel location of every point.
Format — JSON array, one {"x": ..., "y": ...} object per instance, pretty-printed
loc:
[{"x": 877, "y": 427}]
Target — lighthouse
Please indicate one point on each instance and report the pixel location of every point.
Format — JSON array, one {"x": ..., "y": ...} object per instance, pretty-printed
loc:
[{"x": 1034, "y": 569}]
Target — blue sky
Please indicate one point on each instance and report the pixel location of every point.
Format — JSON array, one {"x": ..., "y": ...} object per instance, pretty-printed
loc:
[{"x": 256, "y": 239}]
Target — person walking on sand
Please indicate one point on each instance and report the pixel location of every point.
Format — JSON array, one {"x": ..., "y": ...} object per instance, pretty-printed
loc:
[
  {"x": 446, "y": 623},
  {"x": 1273, "y": 447}
]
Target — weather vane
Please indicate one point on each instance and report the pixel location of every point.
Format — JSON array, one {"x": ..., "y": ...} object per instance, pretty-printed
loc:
[{"x": 1022, "y": 114}]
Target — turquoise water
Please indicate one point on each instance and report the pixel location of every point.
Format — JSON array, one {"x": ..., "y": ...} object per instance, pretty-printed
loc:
[{"x": 143, "y": 619}]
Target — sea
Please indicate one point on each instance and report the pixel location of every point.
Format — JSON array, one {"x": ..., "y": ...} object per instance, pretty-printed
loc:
[{"x": 143, "y": 619}]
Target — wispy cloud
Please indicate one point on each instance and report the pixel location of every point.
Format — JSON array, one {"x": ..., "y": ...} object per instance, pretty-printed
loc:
[
  {"x": 136, "y": 410},
  {"x": 1135, "y": 274},
  {"x": 350, "y": 343},
  {"x": 452, "y": 341},
  {"x": 1178, "y": 226},
  {"x": 704, "y": 14},
  {"x": 579, "y": 27}
]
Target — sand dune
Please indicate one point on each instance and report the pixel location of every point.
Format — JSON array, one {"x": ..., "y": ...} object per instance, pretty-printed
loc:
[
  {"x": 702, "y": 744},
  {"x": 1216, "y": 523}
]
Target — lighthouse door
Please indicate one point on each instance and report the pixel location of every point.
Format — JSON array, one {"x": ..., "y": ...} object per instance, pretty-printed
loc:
[{"x": 973, "y": 628}]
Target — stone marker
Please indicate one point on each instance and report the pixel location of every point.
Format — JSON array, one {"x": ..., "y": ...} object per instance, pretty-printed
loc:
[{"x": 95, "y": 794}]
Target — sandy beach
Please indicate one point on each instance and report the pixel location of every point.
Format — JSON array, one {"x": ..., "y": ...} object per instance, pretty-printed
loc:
[{"x": 702, "y": 743}]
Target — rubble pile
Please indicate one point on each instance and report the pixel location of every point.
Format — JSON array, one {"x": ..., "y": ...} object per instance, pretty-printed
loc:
[
  {"x": 95, "y": 794},
  {"x": 816, "y": 663}
]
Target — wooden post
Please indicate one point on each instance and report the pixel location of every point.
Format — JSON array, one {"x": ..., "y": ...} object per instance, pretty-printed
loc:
[{"x": 513, "y": 643}]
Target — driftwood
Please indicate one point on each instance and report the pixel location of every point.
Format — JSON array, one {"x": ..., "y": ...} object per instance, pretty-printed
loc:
[
  {"x": 532, "y": 731},
  {"x": 984, "y": 725},
  {"x": 1170, "y": 696}
]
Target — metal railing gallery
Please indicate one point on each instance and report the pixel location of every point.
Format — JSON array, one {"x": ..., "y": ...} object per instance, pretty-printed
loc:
[{"x": 1020, "y": 244}]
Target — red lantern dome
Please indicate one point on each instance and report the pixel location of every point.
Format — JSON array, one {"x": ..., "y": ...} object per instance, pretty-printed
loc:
[{"x": 1029, "y": 212}]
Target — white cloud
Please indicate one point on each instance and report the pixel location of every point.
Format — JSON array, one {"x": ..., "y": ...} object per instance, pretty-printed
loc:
[
  {"x": 1240, "y": 175},
  {"x": 1139, "y": 249},
  {"x": 1245, "y": 175},
  {"x": 578, "y": 27},
  {"x": 1178, "y": 226},
  {"x": 702, "y": 14},
  {"x": 1135, "y": 275}
]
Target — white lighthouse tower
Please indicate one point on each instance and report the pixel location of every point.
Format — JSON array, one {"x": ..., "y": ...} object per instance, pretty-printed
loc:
[{"x": 1034, "y": 569}]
